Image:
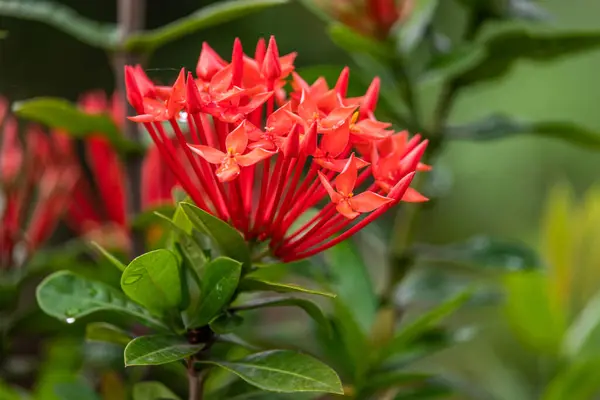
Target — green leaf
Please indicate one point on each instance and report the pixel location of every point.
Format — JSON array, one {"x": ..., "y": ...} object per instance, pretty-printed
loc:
[
  {"x": 226, "y": 323},
  {"x": 59, "y": 113},
  {"x": 63, "y": 18},
  {"x": 353, "y": 42},
  {"x": 153, "y": 280},
  {"x": 251, "y": 284},
  {"x": 412, "y": 30},
  {"x": 153, "y": 391},
  {"x": 506, "y": 46},
  {"x": 7, "y": 392},
  {"x": 104, "y": 332},
  {"x": 219, "y": 283},
  {"x": 147, "y": 218},
  {"x": 113, "y": 260},
  {"x": 284, "y": 371},
  {"x": 309, "y": 307},
  {"x": 67, "y": 296},
  {"x": 205, "y": 17},
  {"x": 229, "y": 241},
  {"x": 423, "y": 323},
  {"x": 158, "y": 349},
  {"x": 536, "y": 319},
  {"x": 76, "y": 390},
  {"x": 383, "y": 380},
  {"x": 351, "y": 281},
  {"x": 582, "y": 338},
  {"x": 501, "y": 126},
  {"x": 578, "y": 381}
]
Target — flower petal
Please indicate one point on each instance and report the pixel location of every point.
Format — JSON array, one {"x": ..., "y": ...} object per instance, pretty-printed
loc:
[
  {"x": 143, "y": 118},
  {"x": 346, "y": 210},
  {"x": 412, "y": 196},
  {"x": 337, "y": 118},
  {"x": 210, "y": 154},
  {"x": 368, "y": 201},
  {"x": 237, "y": 141},
  {"x": 228, "y": 171},
  {"x": 334, "y": 143},
  {"x": 345, "y": 181},
  {"x": 333, "y": 195},
  {"x": 255, "y": 156}
]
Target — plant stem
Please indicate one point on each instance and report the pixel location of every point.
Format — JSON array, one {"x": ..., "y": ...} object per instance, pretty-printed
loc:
[
  {"x": 194, "y": 389},
  {"x": 130, "y": 16}
]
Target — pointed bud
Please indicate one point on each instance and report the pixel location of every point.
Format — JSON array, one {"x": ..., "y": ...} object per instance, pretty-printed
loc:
[
  {"x": 309, "y": 143},
  {"x": 177, "y": 99},
  {"x": 259, "y": 54},
  {"x": 237, "y": 61},
  {"x": 397, "y": 192},
  {"x": 411, "y": 160},
  {"x": 146, "y": 86},
  {"x": 341, "y": 86},
  {"x": 271, "y": 68},
  {"x": 291, "y": 146},
  {"x": 193, "y": 102},
  {"x": 134, "y": 96},
  {"x": 299, "y": 84},
  {"x": 370, "y": 99},
  {"x": 209, "y": 63}
]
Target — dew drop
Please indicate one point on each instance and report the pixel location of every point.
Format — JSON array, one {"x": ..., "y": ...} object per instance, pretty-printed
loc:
[
  {"x": 70, "y": 320},
  {"x": 131, "y": 279},
  {"x": 182, "y": 116}
]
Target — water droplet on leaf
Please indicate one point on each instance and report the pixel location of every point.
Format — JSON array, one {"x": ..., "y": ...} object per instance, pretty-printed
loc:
[
  {"x": 131, "y": 279},
  {"x": 70, "y": 320}
]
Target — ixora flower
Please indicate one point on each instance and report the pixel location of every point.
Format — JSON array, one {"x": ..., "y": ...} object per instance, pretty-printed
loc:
[
  {"x": 99, "y": 205},
  {"x": 262, "y": 162},
  {"x": 369, "y": 17},
  {"x": 35, "y": 181}
]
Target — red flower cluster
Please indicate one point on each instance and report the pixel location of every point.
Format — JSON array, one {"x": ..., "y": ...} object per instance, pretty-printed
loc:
[
  {"x": 35, "y": 183},
  {"x": 99, "y": 206},
  {"x": 262, "y": 168}
]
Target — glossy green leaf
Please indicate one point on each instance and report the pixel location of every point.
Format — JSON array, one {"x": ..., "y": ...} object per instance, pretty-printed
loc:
[
  {"x": 251, "y": 284},
  {"x": 353, "y": 42},
  {"x": 537, "y": 320},
  {"x": 577, "y": 381},
  {"x": 582, "y": 338},
  {"x": 308, "y": 306},
  {"x": 284, "y": 371},
  {"x": 205, "y": 17},
  {"x": 105, "y": 332},
  {"x": 350, "y": 280},
  {"x": 159, "y": 349},
  {"x": 219, "y": 283},
  {"x": 67, "y": 296},
  {"x": 153, "y": 280},
  {"x": 423, "y": 323},
  {"x": 226, "y": 323},
  {"x": 61, "y": 17},
  {"x": 59, "y": 113},
  {"x": 153, "y": 391},
  {"x": 228, "y": 240},
  {"x": 411, "y": 32},
  {"x": 113, "y": 260},
  {"x": 506, "y": 46},
  {"x": 501, "y": 126}
]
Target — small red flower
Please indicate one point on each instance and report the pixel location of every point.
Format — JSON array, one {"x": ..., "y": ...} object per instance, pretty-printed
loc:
[{"x": 261, "y": 167}]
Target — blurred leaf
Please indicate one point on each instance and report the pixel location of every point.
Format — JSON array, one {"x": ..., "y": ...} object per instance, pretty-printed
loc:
[
  {"x": 112, "y": 386},
  {"x": 427, "y": 391},
  {"x": 423, "y": 323},
  {"x": 76, "y": 390},
  {"x": 353, "y": 42},
  {"x": 226, "y": 323},
  {"x": 383, "y": 380},
  {"x": 159, "y": 349},
  {"x": 501, "y": 126},
  {"x": 9, "y": 393},
  {"x": 3, "y": 34},
  {"x": 153, "y": 280},
  {"x": 147, "y": 218},
  {"x": 229, "y": 241},
  {"x": 533, "y": 316},
  {"x": 61, "y": 114},
  {"x": 259, "y": 285},
  {"x": 67, "y": 296},
  {"x": 205, "y": 17},
  {"x": 483, "y": 252},
  {"x": 113, "y": 260},
  {"x": 219, "y": 283},
  {"x": 503, "y": 47},
  {"x": 284, "y": 371},
  {"x": 308, "y": 306},
  {"x": 577, "y": 381},
  {"x": 63, "y": 18},
  {"x": 152, "y": 391},
  {"x": 412, "y": 30},
  {"x": 105, "y": 332},
  {"x": 351, "y": 281},
  {"x": 582, "y": 338},
  {"x": 62, "y": 358}
]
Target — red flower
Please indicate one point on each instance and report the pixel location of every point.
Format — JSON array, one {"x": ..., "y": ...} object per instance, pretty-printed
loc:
[
  {"x": 262, "y": 181},
  {"x": 35, "y": 180}
]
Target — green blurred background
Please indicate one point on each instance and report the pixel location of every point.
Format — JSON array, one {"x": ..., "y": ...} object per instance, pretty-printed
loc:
[{"x": 498, "y": 186}]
